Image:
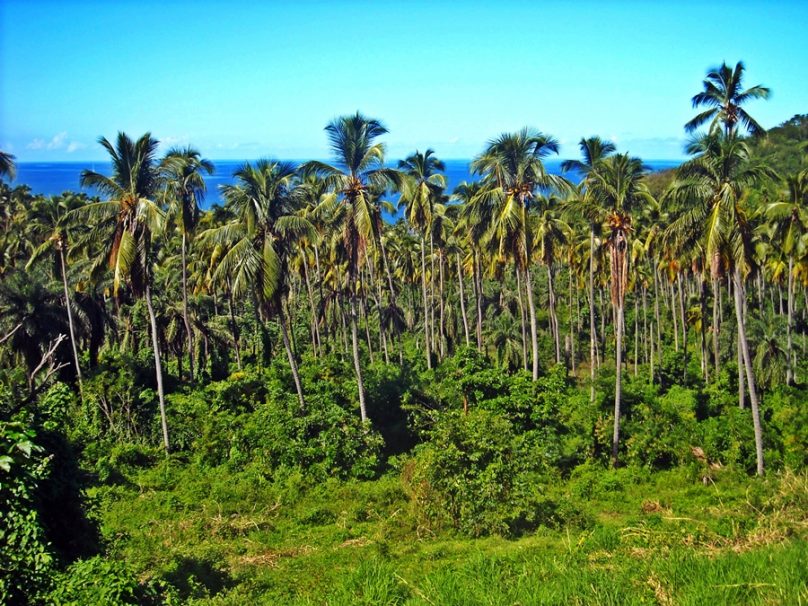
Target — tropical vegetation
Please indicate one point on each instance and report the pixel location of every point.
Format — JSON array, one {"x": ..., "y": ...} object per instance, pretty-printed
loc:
[{"x": 349, "y": 385}]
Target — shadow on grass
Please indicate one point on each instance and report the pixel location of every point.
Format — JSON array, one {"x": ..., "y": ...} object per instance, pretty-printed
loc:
[{"x": 198, "y": 578}]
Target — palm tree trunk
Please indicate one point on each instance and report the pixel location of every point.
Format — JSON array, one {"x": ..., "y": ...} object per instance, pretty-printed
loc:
[
  {"x": 426, "y": 306},
  {"x": 70, "y": 320},
  {"x": 186, "y": 321},
  {"x": 319, "y": 282},
  {"x": 738, "y": 322},
  {"x": 315, "y": 331},
  {"x": 553, "y": 317},
  {"x": 656, "y": 308},
  {"x": 392, "y": 299},
  {"x": 618, "y": 388},
  {"x": 522, "y": 319},
  {"x": 357, "y": 366},
  {"x": 750, "y": 377},
  {"x": 432, "y": 292},
  {"x": 789, "y": 320},
  {"x": 572, "y": 320},
  {"x": 233, "y": 324},
  {"x": 592, "y": 325},
  {"x": 158, "y": 367},
  {"x": 533, "y": 333},
  {"x": 478, "y": 287},
  {"x": 462, "y": 300},
  {"x": 289, "y": 354},
  {"x": 636, "y": 334},
  {"x": 716, "y": 326},
  {"x": 442, "y": 327},
  {"x": 684, "y": 328}
]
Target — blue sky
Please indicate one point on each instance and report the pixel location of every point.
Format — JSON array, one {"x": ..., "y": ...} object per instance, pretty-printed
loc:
[{"x": 249, "y": 79}]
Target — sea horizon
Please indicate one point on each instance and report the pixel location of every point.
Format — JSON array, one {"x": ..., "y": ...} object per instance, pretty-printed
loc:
[{"x": 56, "y": 177}]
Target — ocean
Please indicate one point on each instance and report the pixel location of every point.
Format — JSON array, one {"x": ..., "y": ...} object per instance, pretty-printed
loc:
[{"x": 53, "y": 178}]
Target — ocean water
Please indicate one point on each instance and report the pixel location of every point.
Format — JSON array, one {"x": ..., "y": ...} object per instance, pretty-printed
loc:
[{"x": 53, "y": 178}]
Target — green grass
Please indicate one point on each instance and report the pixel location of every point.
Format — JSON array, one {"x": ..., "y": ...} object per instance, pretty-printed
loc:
[{"x": 222, "y": 538}]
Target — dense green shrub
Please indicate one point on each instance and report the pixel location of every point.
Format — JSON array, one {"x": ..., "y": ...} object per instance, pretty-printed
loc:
[
  {"x": 662, "y": 430},
  {"x": 479, "y": 476},
  {"x": 25, "y": 558},
  {"x": 103, "y": 582}
]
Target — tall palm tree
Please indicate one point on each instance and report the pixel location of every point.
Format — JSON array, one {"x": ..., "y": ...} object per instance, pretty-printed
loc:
[
  {"x": 357, "y": 176},
  {"x": 593, "y": 151},
  {"x": 712, "y": 188},
  {"x": 126, "y": 223},
  {"x": 723, "y": 94},
  {"x": 7, "y": 166},
  {"x": 421, "y": 191},
  {"x": 51, "y": 218},
  {"x": 183, "y": 170},
  {"x": 617, "y": 185},
  {"x": 513, "y": 172},
  {"x": 259, "y": 241}
]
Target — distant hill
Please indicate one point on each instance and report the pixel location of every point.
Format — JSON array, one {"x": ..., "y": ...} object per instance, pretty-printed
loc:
[{"x": 783, "y": 147}]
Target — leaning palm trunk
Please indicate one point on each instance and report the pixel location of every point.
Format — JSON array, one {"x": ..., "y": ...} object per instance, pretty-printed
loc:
[
  {"x": 289, "y": 354},
  {"x": 70, "y": 318},
  {"x": 158, "y": 367},
  {"x": 750, "y": 377},
  {"x": 185, "y": 320}
]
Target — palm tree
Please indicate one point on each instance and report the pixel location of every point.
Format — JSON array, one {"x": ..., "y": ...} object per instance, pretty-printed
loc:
[
  {"x": 617, "y": 185},
  {"x": 550, "y": 235},
  {"x": 513, "y": 172},
  {"x": 790, "y": 218},
  {"x": 357, "y": 176},
  {"x": 723, "y": 93},
  {"x": 475, "y": 219},
  {"x": 7, "y": 166},
  {"x": 422, "y": 190},
  {"x": 711, "y": 186},
  {"x": 593, "y": 151},
  {"x": 259, "y": 241},
  {"x": 51, "y": 217},
  {"x": 183, "y": 170},
  {"x": 126, "y": 222}
]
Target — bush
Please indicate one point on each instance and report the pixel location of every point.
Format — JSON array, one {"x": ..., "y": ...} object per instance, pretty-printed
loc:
[
  {"x": 25, "y": 559},
  {"x": 663, "y": 430},
  {"x": 104, "y": 582},
  {"x": 478, "y": 476}
]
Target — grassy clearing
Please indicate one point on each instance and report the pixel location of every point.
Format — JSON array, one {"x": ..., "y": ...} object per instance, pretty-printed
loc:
[{"x": 667, "y": 538}]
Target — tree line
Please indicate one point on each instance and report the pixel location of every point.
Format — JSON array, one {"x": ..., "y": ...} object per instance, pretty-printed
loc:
[{"x": 524, "y": 265}]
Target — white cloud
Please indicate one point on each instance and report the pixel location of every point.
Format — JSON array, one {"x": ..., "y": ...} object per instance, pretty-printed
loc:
[{"x": 58, "y": 141}]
